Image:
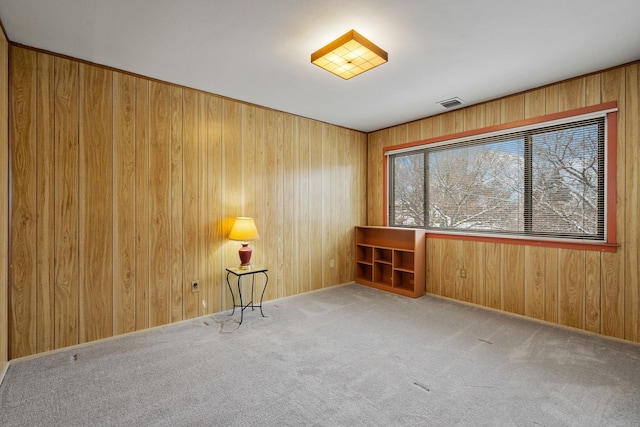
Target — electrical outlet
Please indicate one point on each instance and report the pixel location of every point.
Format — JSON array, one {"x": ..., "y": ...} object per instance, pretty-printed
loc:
[
  {"x": 194, "y": 286},
  {"x": 332, "y": 263},
  {"x": 463, "y": 273}
]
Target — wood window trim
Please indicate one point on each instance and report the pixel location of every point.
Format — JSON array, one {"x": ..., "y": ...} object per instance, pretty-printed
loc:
[{"x": 610, "y": 199}]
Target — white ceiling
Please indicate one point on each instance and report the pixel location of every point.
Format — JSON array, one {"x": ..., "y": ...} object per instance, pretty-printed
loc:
[{"x": 258, "y": 51}]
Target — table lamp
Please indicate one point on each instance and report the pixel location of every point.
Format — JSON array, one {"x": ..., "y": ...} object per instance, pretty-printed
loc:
[{"x": 244, "y": 230}]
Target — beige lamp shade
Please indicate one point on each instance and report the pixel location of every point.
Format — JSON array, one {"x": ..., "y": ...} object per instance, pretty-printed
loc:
[{"x": 244, "y": 230}]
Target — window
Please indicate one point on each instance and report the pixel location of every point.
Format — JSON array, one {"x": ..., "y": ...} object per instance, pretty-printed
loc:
[{"x": 545, "y": 180}]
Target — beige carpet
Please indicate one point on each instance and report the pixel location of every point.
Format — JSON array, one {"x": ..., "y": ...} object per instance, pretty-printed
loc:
[{"x": 344, "y": 356}]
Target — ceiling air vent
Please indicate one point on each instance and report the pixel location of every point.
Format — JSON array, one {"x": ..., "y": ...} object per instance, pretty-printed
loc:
[{"x": 450, "y": 103}]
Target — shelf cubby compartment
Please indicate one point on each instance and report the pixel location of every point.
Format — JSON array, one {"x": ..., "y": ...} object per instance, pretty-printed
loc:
[
  {"x": 383, "y": 255},
  {"x": 403, "y": 280},
  {"x": 364, "y": 272},
  {"x": 382, "y": 274},
  {"x": 404, "y": 260},
  {"x": 364, "y": 254},
  {"x": 389, "y": 237}
]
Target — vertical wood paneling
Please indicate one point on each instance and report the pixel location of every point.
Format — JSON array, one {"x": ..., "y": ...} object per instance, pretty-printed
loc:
[
  {"x": 67, "y": 203},
  {"x": 450, "y": 267},
  {"x": 571, "y": 280},
  {"x": 434, "y": 251},
  {"x": 124, "y": 197},
  {"x": 470, "y": 118},
  {"x": 257, "y": 204},
  {"x": 571, "y": 94},
  {"x": 45, "y": 184},
  {"x": 248, "y": 127},
  {"x": 176, "y": 205},
  {"x": 142, "y": 204},
  {"x": 534, "y": 103},
  {"x": 205, "y": 297},
  {"x": 426, "y": 128},
  {"x": 430, "y": 278},
  {"x": 342, "y": 234},
  {"x": 4, "y": 201},
  {"x": 96, "y": 203},
  {"x": 190, "y": 200},
  {"x": 233, "y": 174},
  {"x": 451, "y": 123},
  {"x": 474, "y": 253},
  {"x": 375, "y": 205},
  {"x": 328, "y": 196},
  {"x": 343, "y": 246},
  {"x": 22, "y": 321},
  {"x": 513, "y": 108},
  {"x": 512, "y": 278},
  {"x": 493, "y": 113},
  {"x": 534, "y": 280},
  {"x": 278, "y": 216},
  {"x": 551, "y": 285},
  {"x": 632, "y": 204},
  {"x": 414, "y": 130},
  {"x": 315, "y": 205},
  {"x": 270, "y": 208},
  {"x": 493, "y": 296},
  {"x": 613, "y": 272},
  {"x": 304, "y": 261},
  {"x": 234, "y": 165},
  {"x": 289, "y": 185},
  {"x": 160, "y": 204},
  {"x": 212, "y": 259},
  {"x": 592, "y": 90},
  {"x": 592, "y": 292},
  {"x": 551, "y": 99}
]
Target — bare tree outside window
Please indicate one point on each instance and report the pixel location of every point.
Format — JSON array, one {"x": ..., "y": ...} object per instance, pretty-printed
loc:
[
  {"x": 477, "y": 188},
  {"x": 409, "y": 190},
  {"x": 566, "y": 181},
  {"x": 481, "y": 186}
]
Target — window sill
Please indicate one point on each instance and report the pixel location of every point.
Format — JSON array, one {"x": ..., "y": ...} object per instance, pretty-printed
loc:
[{"x": 571, "y": 244}]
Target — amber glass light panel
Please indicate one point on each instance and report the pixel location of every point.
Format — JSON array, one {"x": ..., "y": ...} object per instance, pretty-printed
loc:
[{"x": 349, "y": 55}]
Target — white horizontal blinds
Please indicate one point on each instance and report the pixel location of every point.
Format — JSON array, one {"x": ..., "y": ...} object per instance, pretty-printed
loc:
[
  {"x": 408, "y": 190},
  {"x": 568, "y": 180},
  {"x": 478, "y": 185},
  {"x": 546, "y": 182}
]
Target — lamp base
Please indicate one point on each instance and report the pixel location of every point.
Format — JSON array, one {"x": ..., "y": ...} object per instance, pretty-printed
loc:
[{"x": 245, "y": 257}]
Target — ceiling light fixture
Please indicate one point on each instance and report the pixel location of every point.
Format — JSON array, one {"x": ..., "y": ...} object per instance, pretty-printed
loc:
[{"x": 349, "y": 55}]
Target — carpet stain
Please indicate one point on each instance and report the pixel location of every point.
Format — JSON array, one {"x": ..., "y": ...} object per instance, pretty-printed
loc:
[
  {"x": 206, "y": 323},
  {"x": 425, "y": 388},
  {"x": 75, "y": 357},
  {"x": 488, "y": 342}
]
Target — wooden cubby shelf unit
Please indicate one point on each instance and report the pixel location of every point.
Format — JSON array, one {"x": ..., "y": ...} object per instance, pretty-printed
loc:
[{"x": 391, "y": 259}]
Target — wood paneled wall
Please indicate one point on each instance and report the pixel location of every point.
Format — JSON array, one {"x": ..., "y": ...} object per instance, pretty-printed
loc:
[
  {"x": 124, "y": 189},
  {"x": 597, "y": 292},
  {"x": 4, "y": 199}
]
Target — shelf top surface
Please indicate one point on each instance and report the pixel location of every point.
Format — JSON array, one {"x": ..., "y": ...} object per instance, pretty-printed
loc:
[{"x": 238, "y": 271}]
